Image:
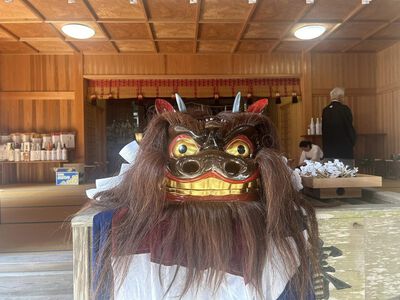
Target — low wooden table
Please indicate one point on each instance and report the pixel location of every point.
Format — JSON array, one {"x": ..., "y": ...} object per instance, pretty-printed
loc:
[{"x": 348, "y": 187}]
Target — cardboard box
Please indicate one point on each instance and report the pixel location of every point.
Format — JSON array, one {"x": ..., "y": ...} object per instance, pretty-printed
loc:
[{"x": 65, "y": 176}]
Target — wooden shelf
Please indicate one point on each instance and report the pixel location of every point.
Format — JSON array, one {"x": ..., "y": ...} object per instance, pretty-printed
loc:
[
  {"x": 28, "y": 171},
  {"x": 34, "y": 162}
]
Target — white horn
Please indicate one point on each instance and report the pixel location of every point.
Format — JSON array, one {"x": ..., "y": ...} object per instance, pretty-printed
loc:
[
  {"x": 236, "y": 103},
  {"x": 181, "y": 104}
]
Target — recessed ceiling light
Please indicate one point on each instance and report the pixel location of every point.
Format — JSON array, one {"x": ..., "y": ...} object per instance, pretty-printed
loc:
[
  {"x": 309, "y": 32},
  {"x": 8, "y": 1},
  {"x": 78, "y": 31}
]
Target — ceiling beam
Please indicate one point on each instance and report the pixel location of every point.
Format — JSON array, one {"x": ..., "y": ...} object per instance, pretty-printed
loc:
[
  {"x": 8, "y": 21},
  {"x": 30, "y": 46},
  {"x": 165, "y": 40},
  {"x": 300, "y": 16},
  {"x": 101, "y": 26},
  {"x": 244, "y": 26},
  {"x": 353, "y": 13},
  {"x": 8, "y": 32},
  {"x": 373, "y": 32},
  {"x": 196, "y": 30},
  {"x": 149, "y": 29},
  {"x": 33, "y": 9}
]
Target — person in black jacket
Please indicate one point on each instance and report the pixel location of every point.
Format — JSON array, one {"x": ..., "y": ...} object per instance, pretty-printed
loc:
[{"x": 338, "y": 134}]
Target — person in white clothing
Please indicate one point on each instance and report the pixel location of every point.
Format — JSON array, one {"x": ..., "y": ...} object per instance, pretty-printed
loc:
[{"x": 310, "y": 152}]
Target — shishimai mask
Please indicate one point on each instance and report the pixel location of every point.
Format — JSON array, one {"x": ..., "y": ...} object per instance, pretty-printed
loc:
[{"x": 216, "y": 163}]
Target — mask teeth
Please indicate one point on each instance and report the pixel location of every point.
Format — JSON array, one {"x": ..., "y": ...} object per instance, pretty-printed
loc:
[{"x": 210, "y": 192}]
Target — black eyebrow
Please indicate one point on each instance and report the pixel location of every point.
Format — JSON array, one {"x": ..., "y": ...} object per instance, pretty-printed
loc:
[
  {"x": 178, "y": 129},
  {"x": 235, "y": 132}
]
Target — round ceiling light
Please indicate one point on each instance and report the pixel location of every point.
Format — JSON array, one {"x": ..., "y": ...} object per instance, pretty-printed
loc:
[
  {"x": 78, "y": 31},
  {"x": 309, "y": 32}
]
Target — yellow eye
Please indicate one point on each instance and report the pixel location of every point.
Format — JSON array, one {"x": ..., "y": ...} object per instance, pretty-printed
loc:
[
  {"x": 240, "y": 146},
  {"x": 183, "y": 145}
]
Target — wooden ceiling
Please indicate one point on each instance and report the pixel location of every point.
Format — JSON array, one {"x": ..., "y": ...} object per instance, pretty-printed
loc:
[{"x": 208, "y": 26}]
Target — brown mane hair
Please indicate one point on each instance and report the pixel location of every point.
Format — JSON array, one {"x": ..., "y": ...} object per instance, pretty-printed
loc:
[{"x": 202, "y": 235}]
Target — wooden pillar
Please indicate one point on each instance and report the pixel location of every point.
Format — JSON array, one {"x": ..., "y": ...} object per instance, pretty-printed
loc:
[
  {"x": 306, "y": 90},
  {"x": 79, "y": 109}
]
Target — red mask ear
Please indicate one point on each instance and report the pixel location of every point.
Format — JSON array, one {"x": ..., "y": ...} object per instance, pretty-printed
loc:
[
  {"x": 258, "y": 106},
  {"x": 163, "y": 106}
]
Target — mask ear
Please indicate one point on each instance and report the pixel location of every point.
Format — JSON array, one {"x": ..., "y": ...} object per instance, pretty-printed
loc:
[
  {"x": 163, "y": 106},
  {"x": 258, "y": 106}
]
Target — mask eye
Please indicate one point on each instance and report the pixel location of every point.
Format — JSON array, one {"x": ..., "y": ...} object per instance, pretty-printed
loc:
[
  {"x": 183, "y": 145},
  {"x": 240, "y": 146}
]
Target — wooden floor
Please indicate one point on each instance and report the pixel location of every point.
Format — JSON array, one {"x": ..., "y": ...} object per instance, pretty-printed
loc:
[
  {"x": 36, "y": 275},
  {"x": 36, "y": 217}
]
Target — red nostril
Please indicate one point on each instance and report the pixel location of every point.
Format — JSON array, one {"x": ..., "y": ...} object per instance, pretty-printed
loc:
[
  {"x": 190, "y": 167},
  {"x": 232, "y": 168}
]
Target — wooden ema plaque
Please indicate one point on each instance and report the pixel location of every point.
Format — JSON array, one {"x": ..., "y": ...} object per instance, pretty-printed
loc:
[{"x": 349, "y": 187}]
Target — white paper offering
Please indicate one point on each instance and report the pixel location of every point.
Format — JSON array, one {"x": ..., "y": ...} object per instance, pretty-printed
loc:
[{"x": 129, "y": 152}]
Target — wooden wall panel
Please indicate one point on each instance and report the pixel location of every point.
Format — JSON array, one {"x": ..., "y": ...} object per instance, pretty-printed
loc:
[
  {"x": 37, "y": 73},
  {"x": 123, "y": 64},
  {"x": 354, "y": 71},
  {"x": 198, "y": 64},
  {"x": 388, "y": 120},
  {"x": 388, "y": 97},
  {"x": 388, "y": 69},
  {"x": 35, "y": 115},
  {"x": 172, "y": 65},
  {"x": 271, "y": 64}
]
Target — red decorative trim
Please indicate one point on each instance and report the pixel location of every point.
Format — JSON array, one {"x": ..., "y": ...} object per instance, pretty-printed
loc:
[{"x": 285, "y": 85}]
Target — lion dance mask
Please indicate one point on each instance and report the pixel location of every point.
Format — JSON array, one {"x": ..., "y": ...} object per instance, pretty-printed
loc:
[{"x": 207, "y": 211}]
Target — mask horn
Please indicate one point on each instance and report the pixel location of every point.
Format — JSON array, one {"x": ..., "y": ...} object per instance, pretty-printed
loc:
[
  {"x": 181, "y": 104},
  {"x": 258, "y": 106},
  {"x": 163, "y": 106},
  {"x": 236, "y": 103}
]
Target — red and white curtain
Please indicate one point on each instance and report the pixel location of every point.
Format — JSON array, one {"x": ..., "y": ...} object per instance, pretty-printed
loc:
[{"x": 192, "y": 88}]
